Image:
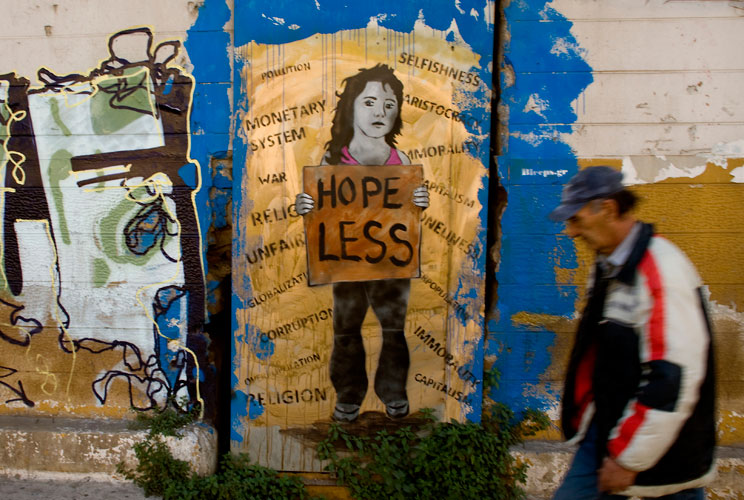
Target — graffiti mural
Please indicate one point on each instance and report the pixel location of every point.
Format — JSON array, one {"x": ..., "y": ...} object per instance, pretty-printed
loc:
[
  {"x": 360, "y": 169},
  {"x": 102, "y": 282}
]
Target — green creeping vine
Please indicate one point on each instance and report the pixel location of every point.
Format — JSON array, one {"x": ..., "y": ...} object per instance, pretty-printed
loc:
[{"x": 446, "y": 461}]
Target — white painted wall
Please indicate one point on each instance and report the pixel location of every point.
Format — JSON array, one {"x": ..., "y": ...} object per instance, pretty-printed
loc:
[
  {"x": 668, "y": 78},
  {"x": 72, "y": 35}
]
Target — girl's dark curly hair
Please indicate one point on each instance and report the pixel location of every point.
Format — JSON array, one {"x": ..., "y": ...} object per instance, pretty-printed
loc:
[{"x": 342, "y": 129}]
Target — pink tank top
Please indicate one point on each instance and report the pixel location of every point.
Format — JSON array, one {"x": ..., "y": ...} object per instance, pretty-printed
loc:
[{"x": 347, "y": 159}]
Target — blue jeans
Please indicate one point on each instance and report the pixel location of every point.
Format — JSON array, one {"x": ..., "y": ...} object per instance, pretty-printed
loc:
[{"x": 580, "y": 482}]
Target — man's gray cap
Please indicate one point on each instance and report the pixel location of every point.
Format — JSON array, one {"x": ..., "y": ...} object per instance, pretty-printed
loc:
[{"x": 589, "y": 184}]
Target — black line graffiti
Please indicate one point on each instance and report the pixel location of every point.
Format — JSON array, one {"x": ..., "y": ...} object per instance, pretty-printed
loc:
[
  {"x": 23, "y": 334},
  {"x": 150, "y": 220},
  {"x": 7, "y": 372}
]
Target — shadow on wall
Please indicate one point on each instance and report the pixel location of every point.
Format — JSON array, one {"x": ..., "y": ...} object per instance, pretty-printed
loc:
[{"x": 101, "y": 283}]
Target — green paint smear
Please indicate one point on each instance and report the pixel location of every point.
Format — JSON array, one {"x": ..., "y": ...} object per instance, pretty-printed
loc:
[
  {"x": 57, "y": 119},
  {"x": 111, "y": 226},
  {"x": 120, "y": 101},
  {"x": 59, "y": 170},
  {"x": 4, "y": 132},
  {"x": 101, "y": 272},
  {"x": 4, "y": 113}
]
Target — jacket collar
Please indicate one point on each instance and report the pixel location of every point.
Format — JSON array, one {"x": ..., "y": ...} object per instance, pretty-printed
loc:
[{"x": 628, "y": 272}]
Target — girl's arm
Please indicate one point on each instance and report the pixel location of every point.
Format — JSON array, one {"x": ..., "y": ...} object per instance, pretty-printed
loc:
[
  {"x": 420, "y": 194},
  {"x": 303, "y": 201}
]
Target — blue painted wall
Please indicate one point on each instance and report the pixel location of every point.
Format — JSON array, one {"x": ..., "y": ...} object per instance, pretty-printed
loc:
[
  {"x": 208, "y": 46},
  {"x": 533, "y": 164}
]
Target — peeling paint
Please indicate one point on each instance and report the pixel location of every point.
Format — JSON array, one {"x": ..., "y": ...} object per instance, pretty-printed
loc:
[
  {"x": 653, "y": 169},
  {"x": 536, "y": 105},
  {"x": 568, "y": 48},
  {"x": 722, "y": 151},
  {"x": 738, "y": 175}
]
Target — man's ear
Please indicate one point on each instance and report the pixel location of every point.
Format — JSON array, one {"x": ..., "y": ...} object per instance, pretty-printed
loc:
[{"x": 610, "y": 208}]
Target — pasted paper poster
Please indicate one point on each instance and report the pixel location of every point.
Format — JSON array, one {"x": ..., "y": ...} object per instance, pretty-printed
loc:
[{"x": 363, "y": 347}]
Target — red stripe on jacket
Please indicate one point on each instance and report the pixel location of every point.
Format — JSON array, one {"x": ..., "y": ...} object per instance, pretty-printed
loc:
[
  {"x": 583, "y": 390},
  {"x": 617, "y": 445},
  {"x": 655, "y": 346},
  {"x": 656, "y": 323}
]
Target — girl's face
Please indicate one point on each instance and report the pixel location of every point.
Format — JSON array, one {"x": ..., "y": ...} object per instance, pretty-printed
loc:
[{"x": 375, "y": 110}]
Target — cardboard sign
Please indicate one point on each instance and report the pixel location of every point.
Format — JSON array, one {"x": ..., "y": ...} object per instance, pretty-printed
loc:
[{"x": 364, "y": 225}]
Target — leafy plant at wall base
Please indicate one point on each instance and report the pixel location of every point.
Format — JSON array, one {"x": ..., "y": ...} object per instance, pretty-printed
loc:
[
  {"x": 439, "y": 460},
  {"x": 167, "y": 422},
  {"x": 156, "y": 467},
  {"x": 238, "y": 479},
  {"x": 158, "y": 473}
]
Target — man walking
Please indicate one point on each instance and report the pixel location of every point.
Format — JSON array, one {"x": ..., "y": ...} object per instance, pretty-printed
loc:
[{"x": 639, "y": 391}]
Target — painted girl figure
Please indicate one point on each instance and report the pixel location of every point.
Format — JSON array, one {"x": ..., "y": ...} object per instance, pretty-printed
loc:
[{"x": 366, "y": 123}]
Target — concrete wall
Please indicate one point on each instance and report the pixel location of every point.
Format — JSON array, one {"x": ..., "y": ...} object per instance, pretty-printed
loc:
[
  {"x": 116, "y": 164},
  {"x": 652, "y": 88}
]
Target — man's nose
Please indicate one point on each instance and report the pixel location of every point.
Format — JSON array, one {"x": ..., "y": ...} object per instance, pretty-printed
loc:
[{"x": 571, "y": 230}]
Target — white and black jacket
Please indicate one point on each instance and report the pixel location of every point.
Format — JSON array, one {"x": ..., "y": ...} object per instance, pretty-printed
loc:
[{"x": 642, "y": 369}]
